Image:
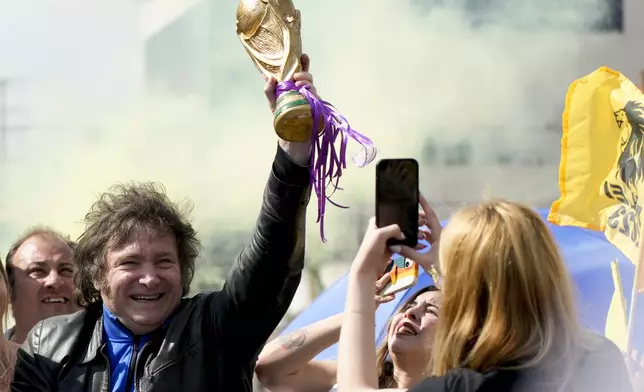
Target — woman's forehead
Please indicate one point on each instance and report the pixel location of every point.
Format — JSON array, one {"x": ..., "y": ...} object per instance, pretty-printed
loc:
[{"x": 433, "y": 297}]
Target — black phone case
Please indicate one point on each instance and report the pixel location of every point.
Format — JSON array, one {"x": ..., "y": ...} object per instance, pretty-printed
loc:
[
  {"x": 410, "y": 242},
  {"x": 411, "y": 238}
]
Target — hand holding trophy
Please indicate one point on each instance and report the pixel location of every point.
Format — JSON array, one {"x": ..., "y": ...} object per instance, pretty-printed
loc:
[{"x": 270, "y": 32}]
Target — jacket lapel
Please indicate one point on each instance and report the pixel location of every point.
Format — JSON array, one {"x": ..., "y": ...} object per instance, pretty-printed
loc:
[{"x": 95, "y": 342}]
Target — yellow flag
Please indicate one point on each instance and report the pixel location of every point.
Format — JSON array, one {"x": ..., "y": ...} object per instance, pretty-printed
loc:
[
  {"x": 616, "y": 319},
  {"x": 602, "y": 159}
]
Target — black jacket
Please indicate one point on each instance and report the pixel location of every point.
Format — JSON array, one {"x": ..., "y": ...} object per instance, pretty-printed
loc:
[{"x": 214, "y": 339}]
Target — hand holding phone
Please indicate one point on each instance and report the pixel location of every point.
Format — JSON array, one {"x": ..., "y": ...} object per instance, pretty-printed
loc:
[{"x": 403, "y": 274}]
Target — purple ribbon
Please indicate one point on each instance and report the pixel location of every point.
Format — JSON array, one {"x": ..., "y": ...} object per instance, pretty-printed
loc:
[{"x": 326, "y": 162}]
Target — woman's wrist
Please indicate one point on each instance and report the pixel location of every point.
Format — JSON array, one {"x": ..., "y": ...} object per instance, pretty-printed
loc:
[
  {"x": 360, "y": 291},
  {"x": 360, "y": 269}
]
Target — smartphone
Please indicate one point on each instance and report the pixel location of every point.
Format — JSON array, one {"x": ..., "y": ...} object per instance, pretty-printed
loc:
[
  {"x": 397, "y": 198},
  {"x": 403, "y": 274}
]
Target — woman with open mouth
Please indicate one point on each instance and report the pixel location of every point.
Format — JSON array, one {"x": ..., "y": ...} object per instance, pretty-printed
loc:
[{"x": 287, "y": 364}]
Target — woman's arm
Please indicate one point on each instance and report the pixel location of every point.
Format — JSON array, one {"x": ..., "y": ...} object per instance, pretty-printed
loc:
[
  {"x": 287, "y": 362},
  {"x": 357, "y": 369}
]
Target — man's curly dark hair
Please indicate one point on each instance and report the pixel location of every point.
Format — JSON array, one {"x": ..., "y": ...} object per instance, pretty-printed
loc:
[{"x": 109, "y": 224}]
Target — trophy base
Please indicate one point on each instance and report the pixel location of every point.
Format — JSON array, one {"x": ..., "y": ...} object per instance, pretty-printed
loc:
[{"x": 292, "y": 119}]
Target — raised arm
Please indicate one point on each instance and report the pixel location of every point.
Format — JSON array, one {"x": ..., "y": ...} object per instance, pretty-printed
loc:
[
  {"x": 357, "y": 370},
  {"x": 287, "y": 363},
  {"x": 263, "y": 280}
]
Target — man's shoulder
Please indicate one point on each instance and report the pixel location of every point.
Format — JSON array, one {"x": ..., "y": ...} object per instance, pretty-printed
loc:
[
  {"x": 193, "y": 311},
  {"x": 197, "y": 303},
  {"x": 54, "y": 336},
  {"x": 199, "y": 300},
  {"x": 65, "y": 321}
]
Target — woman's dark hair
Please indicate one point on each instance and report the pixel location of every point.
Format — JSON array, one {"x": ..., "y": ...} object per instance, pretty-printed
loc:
[
  {"x": 109, "y": 224},
  {"x": 384, "y": 365}
]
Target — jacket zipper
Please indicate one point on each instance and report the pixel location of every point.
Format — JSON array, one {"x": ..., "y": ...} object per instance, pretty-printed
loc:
[{"x": 131, "y": 370}]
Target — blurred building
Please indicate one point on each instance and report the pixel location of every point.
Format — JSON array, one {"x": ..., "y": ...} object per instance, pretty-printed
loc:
[
  {"x": 183, "y": 36},
  {"x": 178, "y": 46},
  {"x": 64, "y": 67},
  {"x": 184, "y": 51},
  {"x": 499, "y": 161},
  {"x": 183, "y": 55}
]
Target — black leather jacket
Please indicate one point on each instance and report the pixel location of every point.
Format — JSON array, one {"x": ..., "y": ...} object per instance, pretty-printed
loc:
[{"x": 214, "y": 339}]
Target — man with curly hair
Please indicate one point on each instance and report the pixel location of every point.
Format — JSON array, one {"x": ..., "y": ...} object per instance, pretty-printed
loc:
[{"x": 138, "y": 331}]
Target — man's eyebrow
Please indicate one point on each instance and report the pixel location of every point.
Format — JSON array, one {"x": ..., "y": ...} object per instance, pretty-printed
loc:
[
  {"x": 132, "y": 254},
  {"x": 38, "y": 263}
]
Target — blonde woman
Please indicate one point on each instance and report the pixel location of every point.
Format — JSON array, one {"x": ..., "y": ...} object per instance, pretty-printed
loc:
[
  {"x": 507, "y": 322},
  {"x": 8, "y": 349}
]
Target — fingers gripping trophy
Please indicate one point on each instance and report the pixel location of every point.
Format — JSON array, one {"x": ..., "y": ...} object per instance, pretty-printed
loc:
[{"x": 270, "y": 32}]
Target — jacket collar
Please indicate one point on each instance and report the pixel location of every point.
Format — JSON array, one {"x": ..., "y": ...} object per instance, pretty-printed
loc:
[{"x": 96, "y": 343}]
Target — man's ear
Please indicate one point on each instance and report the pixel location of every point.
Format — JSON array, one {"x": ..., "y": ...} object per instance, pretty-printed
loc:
[{"x": 97, "y": 284}]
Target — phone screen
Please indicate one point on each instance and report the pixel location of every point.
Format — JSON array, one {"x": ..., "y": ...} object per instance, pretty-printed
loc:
[{"x": 397, "y": 197}]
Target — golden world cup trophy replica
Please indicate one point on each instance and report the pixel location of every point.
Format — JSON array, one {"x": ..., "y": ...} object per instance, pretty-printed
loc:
[{"x": 270, "y": 32}]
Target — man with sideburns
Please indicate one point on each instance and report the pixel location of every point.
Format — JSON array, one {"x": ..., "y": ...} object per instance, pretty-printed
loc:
[{"x": 134, "y": 263}]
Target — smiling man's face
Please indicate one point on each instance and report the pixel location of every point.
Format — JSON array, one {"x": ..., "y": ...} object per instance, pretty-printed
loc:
[
  {"x": 43, "y": 273},
  {"x": 143, "y": 282}
]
